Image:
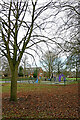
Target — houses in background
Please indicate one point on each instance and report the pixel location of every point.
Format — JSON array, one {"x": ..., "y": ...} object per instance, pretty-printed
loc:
[{"x": 30, "y": 72}]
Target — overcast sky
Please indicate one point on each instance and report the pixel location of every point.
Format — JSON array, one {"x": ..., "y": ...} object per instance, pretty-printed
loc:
[{"x": 50, "y": 29}]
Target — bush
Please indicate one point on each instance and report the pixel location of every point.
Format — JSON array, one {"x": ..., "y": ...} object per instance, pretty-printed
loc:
[
  {"x": 20, "y": 74},
  {"x": 35, "y": 74}
]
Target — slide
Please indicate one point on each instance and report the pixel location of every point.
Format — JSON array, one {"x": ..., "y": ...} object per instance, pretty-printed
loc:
[{"x": 36, "y": 81}]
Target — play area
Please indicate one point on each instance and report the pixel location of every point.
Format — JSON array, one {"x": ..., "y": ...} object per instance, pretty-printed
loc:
[{"x": 53, "y": 80}]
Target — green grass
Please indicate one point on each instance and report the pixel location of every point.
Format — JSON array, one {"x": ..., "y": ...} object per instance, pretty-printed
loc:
[
  {"x": 72, "y": 78},
  {"x": 27, "y": 87},
  {"x": 72, "y": 82},
  {"x": 7, "y": 79},
  {"x": 37, "y": 87},
  {"x": 33, "y": 87},
  {"x": 6, "y": 87},
  {"x": 19, "y": 79},
  {"x": 0, "y": 89}
]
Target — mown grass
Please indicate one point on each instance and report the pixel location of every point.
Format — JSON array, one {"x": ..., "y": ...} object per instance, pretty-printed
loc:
[
  {"x": 0, "y": 88},
  {"x": 72, "y": 78},
  {"x": 5, "y": 79},
  {"x": 5, "y": 87},
  {"x": 27, "y": 87},
  {"x": 33, "y": 87},
  {"x": 71, "y": 82},
  {"x": 19, "y": 79}
]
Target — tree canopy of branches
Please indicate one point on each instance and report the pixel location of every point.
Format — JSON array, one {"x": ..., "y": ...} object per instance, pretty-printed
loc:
[
  {"x": 23, "y": 25},
  {"x": 69, "y": 30},
  {"x": 72, "y": 28}
]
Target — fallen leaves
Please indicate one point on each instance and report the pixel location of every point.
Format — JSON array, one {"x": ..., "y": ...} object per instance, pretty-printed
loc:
[{"x": 58, "y": 103}]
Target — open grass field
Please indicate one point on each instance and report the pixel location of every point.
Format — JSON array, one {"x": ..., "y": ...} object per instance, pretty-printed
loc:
[
  {"x": 41, "y": 101},
  {"x": 7, "y": 79}
]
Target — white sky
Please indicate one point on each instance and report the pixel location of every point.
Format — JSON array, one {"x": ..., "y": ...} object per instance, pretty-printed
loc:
[
  {"x": 50, "y": 32},
  {"x": 54, "y": 27}
]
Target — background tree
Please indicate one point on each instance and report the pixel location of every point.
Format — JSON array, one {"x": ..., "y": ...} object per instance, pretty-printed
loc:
[
  {"x": 47, "y": 60},
  {"x": 5, "y": 67},
  {"x": 69, "y": 30},
  {"x": 25, "y": 63},
  {"x": 72, "y": 64},
  {"x": 57, "y": 65},
  {"x": 35, "y": 74},
  {"x": 70, "y": 27}
]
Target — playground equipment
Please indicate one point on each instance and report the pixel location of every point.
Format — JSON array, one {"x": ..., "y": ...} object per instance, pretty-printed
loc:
[
  {"x": 32, "y": 81},
  {"x": 58, "y": 79},
  {"x": 36, "y": 81},
  {"x": 53, "y": 80},
  {"x": 63, "y": 77}
]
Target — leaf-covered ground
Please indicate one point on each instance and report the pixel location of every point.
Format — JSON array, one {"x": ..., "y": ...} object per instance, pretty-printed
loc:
[{"x": 45, "y": 101}]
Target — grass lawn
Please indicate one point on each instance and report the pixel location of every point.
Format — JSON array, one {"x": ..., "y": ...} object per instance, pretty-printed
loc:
[
  {"x": 72, "y": 78},
  {"x": 7, "y": 79},
  {"x": 33, "y": 87},
  {"x": 41, "y": 101},
  {"x": 27, "y": 87},
  {"x": 19, "y": 79}
]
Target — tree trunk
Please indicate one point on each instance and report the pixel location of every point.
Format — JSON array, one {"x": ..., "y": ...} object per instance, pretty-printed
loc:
[
  {"x": 13, "y": 92},
  {"x": 76, "y": 71},
  {"x": 58, "y": 69},
  {"x": 76, "y": 74}
]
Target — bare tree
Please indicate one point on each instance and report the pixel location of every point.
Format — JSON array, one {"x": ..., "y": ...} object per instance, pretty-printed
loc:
[
  {"x": 23, "y": 25},
  {"x": 69, "y": 30},
  {"x": 72, "y": 27},
  {"x": 47, "y": 60},
  {"x": 58, "y": 65},
  {"x": 72, "y": 64}
]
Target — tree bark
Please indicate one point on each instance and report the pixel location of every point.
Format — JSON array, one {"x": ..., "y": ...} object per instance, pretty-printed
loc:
[
  {"x": 14, "y": 76},
  {"x": 76, "y": 71}
]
